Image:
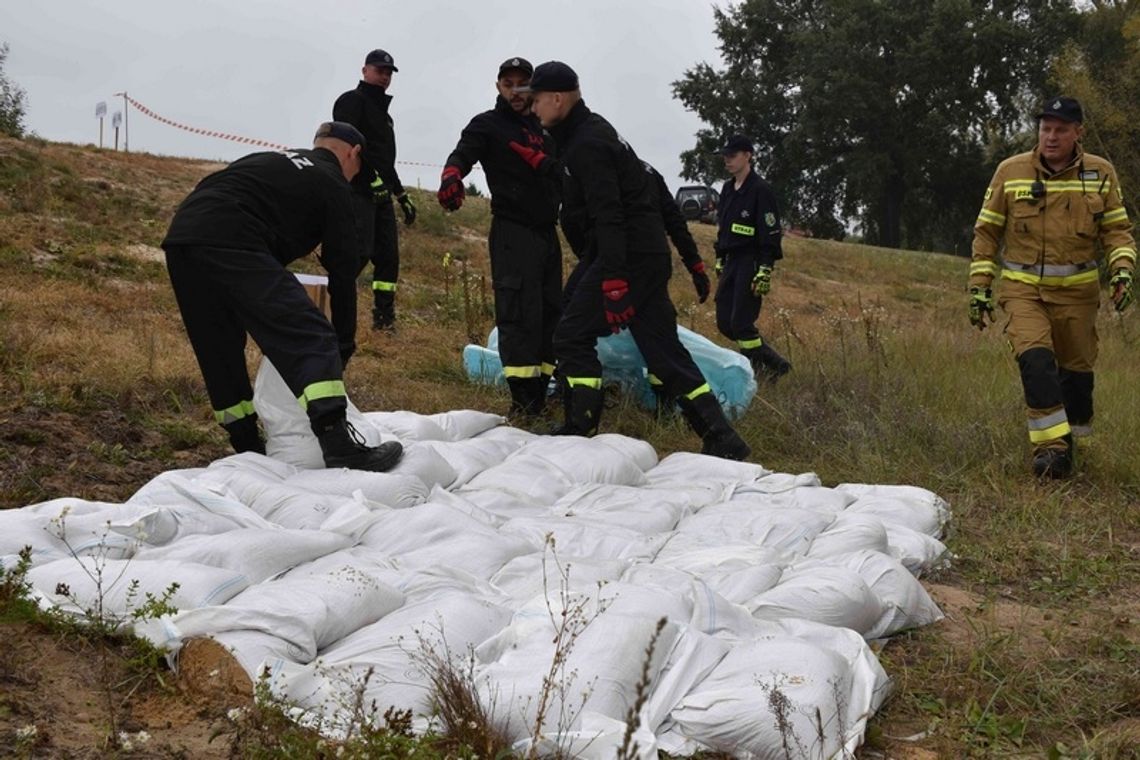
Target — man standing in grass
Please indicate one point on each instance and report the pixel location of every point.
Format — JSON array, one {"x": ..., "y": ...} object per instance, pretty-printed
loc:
[
  {"x": 366, "y": 108},
  {"x": 226, "y": 253},
  {"x": 611, "y": 216},
  {"x": 1046, "y": 212},
  {"x": 526, "y": 259}
]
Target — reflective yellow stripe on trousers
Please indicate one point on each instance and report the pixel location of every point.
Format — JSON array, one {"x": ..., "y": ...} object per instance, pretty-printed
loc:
[
  {"x": 1049, "y": 427},
  {"x": 323, "y": 389},
  {"x": 238, "y": 411}
]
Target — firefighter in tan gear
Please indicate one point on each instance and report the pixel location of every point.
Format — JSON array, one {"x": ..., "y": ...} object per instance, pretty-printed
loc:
[{"x": 1045, "y": 212}]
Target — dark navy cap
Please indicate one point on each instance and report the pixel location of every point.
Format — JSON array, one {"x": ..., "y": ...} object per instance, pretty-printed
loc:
[
  {"x": 516, "y": 63},
  {"x": 737, "y": 143},
  {"x": 340, "y": 130},
  {"x": 381, "y": 60},
  {"x": 552, "y": 76},
  {"x": 1065, "y": 109}
]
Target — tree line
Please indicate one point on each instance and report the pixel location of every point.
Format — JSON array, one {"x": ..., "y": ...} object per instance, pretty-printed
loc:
[{"x": 891, "y": 115}]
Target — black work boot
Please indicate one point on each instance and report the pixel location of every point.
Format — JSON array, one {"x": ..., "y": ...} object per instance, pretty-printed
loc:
[
  {"x": 244, "y": 435},
  {"x": 343, "y": 446},
  {"x": 666, "y": 408},
  {"x": 384, "y": 318},
  {"x": 583, "y": 411},
  {"x": 528, "y": 396},
  {"x": 773, "y": 365},
  {"x": 1055, "y": 463},
  {"x": 718, "y": 438}
]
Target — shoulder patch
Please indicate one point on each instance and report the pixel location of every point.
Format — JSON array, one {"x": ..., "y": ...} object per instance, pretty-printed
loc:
[
  {"x": 770, "y": 219},
  {"x": 989, "y": 193}
]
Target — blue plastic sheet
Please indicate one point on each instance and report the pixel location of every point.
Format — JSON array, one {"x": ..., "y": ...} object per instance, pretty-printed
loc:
[{"x": 728, "y": 373}]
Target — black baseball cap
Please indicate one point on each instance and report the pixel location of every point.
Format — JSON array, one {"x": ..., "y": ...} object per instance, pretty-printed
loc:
[
  {"x": 516, "y": 63},
  {"x": 552, "y": 76},
  {"x": 380, "y": 59},
  {"x": 1065, "y": 109},
  {"x": 737, "y": 143},
  {"x": 341, "y": 130}
]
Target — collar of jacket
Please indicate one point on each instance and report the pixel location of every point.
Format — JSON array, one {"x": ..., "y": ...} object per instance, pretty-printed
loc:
[
  {"x": 374, "y": 92},
  {"x": 327, "y": 156},
  {"x": 1046, "y": 172},
  {"x": 565, "y": 129}
]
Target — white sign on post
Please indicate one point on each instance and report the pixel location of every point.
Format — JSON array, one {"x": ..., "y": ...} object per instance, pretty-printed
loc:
[
  {"x": 100, "y": 109},
  {"x": 116, "y": 119}
]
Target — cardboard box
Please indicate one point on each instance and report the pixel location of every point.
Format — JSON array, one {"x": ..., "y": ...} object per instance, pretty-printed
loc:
[{"x": 317, "y": 286}]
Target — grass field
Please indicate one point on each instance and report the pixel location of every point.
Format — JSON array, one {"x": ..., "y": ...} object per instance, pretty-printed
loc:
[{"x": 1040, "y": 653}]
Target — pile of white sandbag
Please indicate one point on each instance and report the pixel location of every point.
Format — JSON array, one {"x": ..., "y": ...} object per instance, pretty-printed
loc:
[{"x": 336, "y": 583}]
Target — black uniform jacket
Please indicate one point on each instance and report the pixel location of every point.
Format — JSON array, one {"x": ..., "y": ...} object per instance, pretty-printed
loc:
[
  {"x": 285, "y": 204},
  {"x": 748, "y": 220},
  {"x": 610, "y": 207},
  {"x": 366, "y": 108},
  {"x": 675, "y": 224},
  {"x": 518, "y": 192}
]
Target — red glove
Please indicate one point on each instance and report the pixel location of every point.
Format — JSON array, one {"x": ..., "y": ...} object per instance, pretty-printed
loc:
[
  {"x": 451, "y": 192},
  {"x": 700, "y": 280},
  {"x": 537, "y": 160},
  {"x": 616, "y": 300}
]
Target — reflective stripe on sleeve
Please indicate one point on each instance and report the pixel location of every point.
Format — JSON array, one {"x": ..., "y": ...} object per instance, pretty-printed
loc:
[
  {"x": 985, "y": 267},
  {"x": 1122, "y": 253},
  {"x": 1116, "y": 215},
  {"x": 991, "y": 217}
]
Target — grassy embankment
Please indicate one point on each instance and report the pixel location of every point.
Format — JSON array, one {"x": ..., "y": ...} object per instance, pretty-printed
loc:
[{"x": 1042, "y": 650}]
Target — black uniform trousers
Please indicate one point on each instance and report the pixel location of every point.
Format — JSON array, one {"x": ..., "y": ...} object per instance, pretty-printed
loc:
[
  {"x": 224, "y": 294},
  {"x": 737, "y": 308},
  {"x": 376, "y": 226},
  {"x": 526, "y": 270},
  {"x": 654, "y": 326}
]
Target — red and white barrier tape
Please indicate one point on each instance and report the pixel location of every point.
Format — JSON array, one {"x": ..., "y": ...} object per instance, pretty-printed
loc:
[{"x": 234, "y": 138}]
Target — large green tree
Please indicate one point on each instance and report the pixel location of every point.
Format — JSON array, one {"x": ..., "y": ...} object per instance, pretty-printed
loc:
[
  {"x": 887, "y": 113},
  {"x": 1102, "y": 70},
  {"x": 13, "y": 101}
]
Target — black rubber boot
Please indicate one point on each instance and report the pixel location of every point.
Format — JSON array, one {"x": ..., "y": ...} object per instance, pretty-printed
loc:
[
  {"x": 342, "y": 446},
  {"x": 718, "y": 438},
  {"x": 244, "y": 435},
  {"x": 583, "y": 411},
  {"x": 1055, "y": 463},
  {"x": 528, "y": 396},
  {"x": 384, "y": 311},
  {"x": 666, "y": 408}
]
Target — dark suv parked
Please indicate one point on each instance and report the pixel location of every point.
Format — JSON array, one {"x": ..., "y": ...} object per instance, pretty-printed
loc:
[{"x": 698, "y": 203}]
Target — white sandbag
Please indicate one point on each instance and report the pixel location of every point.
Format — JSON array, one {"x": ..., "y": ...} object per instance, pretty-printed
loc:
[
  {"x": 389, "y": 489},
  {"x": 737, "y": 573},
  {"x": 779, "y": 482},
  {"x": 644, "y": 510},
  {"x": 699, "y": 554},
  {"x": 906, "y": 603},
  {"x": 923, "y": 517},
  {"x": 808, "y": 669},
  {"x": 575, "y": 537},
  {"x": 850, "y": 532},
  {"x": 602, "y": 667},
  {"x": 436, "y": 534},
  {"x": 470, "y": 457},
  {"x": 638, "y": 451},
  {"x": 930, "y": 515},
  {"x": 459, "y": 424},
  {"x": 812, "y": 498},
  {"x": 501, "y": 505},
  {"x": 163, "y": 525},
  {"x": 422, "y": 461},
  {"x": 120, "y": 587},
  {"x": 464, "y": 505},
  {"x": 683, "y": 597},
  {"x": 585, "y": 460},
  {"x": 257, "y": 553},
  {"x": 792, "y": 530},
  {"x": 81, "y": 528},
  {"x": 253, "y": 649},
  {"x": 289, "y": 435},
  {"x": 685, "y": 466},
  {"x": 918, "y": 552},
  {"x": 529, "y": 478},
  {"x": 206, "y": 493},
  {"x": 829, "y": 595},
  {"x": 284, "y": 505},
  {"x": 696, "y": 493},
  {"x": 394, "y": 649},
  {"x": 423, "y": 584},
  {"x": 21, "y": 528},
  {"x": 309, "y": 612},
  {"x": 526, "y": 576},
  {"x": 409, "y": 427}
]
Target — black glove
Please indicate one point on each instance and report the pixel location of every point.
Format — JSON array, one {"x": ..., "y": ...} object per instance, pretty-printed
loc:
[
  {"x": 451, "y": 191},
  {"x": 700, "y": 280},
  {"x": 408, "y": 208}
]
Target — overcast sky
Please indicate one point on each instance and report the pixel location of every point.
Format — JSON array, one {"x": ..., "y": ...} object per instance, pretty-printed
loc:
[{"x": 271, "y": 70}]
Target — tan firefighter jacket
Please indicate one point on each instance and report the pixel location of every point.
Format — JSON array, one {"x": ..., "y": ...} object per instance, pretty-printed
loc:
[{"x": 1046, "y": 227}]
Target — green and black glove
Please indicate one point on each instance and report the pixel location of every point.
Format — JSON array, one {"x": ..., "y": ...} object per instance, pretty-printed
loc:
[
  {"x": 981, "y": 305},
  {"x": 1121, "y": 284},
  {"x": 380, "y": 192},
  {"x": 762, "y": 281},
  {"x": 408, "y": 208}
]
